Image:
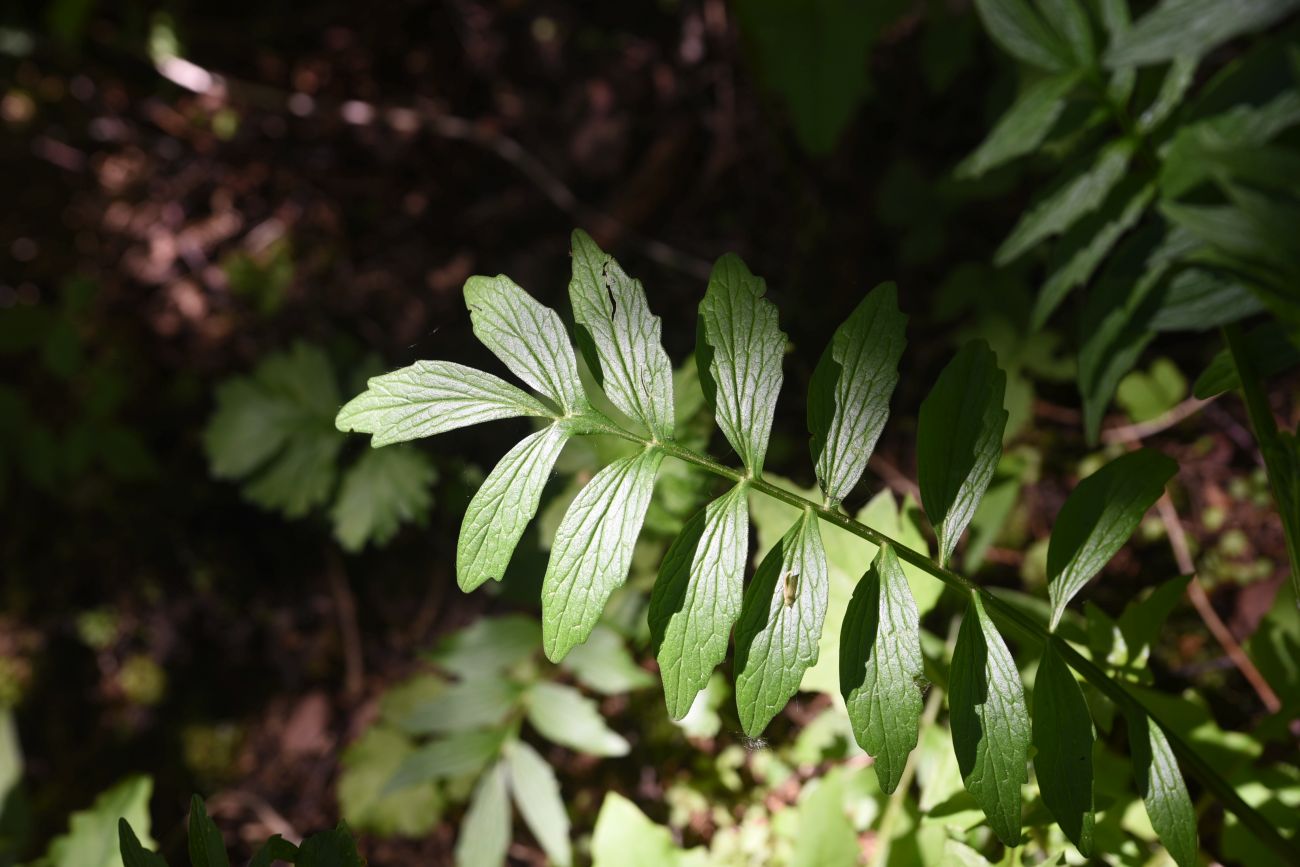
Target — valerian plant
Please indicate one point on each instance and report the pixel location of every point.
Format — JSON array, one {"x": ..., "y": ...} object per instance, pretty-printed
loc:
[{"x": 776, "y": 618}]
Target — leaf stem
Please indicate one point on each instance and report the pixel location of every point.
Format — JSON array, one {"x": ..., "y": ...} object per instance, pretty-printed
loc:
[{"x": 1007, "y": 616}]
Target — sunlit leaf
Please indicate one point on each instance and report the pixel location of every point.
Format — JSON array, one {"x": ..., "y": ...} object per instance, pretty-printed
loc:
[
  {"x": 537, "y": 797},
  {"x": 1160, "y": 783},
  {"x": 565, "y": 716},
  {"x": 485, "y": 833}
]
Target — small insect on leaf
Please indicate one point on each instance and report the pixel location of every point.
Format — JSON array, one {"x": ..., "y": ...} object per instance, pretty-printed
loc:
[{"x": 791, "y": 591}]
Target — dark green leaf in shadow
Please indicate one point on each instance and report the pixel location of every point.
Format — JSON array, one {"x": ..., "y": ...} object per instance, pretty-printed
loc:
[{"x": 1063, "y": 739}]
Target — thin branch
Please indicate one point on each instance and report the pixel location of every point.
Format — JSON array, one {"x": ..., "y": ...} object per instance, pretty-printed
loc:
[
  {"x": 1133, "y": 432},
  {"x": 349, "y": 632}
]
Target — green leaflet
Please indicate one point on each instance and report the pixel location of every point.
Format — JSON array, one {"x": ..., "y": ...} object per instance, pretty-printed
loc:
[
  {"x": 458, "y": 755},
  {"x": 624, "y": 837},
  {"x": 474, "y": 703},
  {"x": 826, "y": 835},
  {"x": 848, "y": 398},
  {"x": 780, "y": 621},
  {"x": 1160, "y": 783},
  {"x": 697, "y": 597},
  {"x": 1178, "y": 78},
  {"x": 562, "y": 714},
  {"x": 92, "y": 838},
  {"x": 1024, "y": 125},
  {"x": 368, "y": 764},
  {"x": 528, "y": 337},
  {"x": 604, "y": 665},
  {"x": 1270, "y": 353},
  {"x": 1097, "y": 519},
  {"x": 1192, "y": 28},
  {"x": 205, "y": 845},
  {"x": 989, "y": 720},
  {"x": 620, "y": 338},
  {"x": 537, "y": 796},
  {"x": 880, "y": 666},
  {"x": 488, "y": 647},
  {"x": 959, "y": 440},
  {"x": 133, "y": 853},
  {"x": 485, "y": 832},
  {"x": 1024, "y": 34},
  {"x": 503, "y": 506},
  {"x": 1069, "y": 18},
  {"x": 1063, "y": 738},
  {"x": 739, "y": 349},
  {"x": 432, "y": 397},
  {"x": 381, "y": 491},
  {"x": 592, "y": 550},
  {"x": 1059, "y": 209},
  {"x": 275, "y": 849},
  {"x": 334, "y": 848}
]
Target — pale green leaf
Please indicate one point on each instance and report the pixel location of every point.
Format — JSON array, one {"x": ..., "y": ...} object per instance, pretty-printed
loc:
[
  {"x": 592, "y": 550},
  {"x": 624, "y": 837},
  {"x": 848, "y": 398},
  {"x": 780, "y": 622},
  {"x": 826, "y": 836},
  {"x": 697, "y": 597},
  {"x": 1023, "y": 127},
  {"x": 603, "y": 664},
  {"x": 527, "y": 336},
  {"x": 485, "y": 833},
  {"x": 989, "y": 720},
  {"x": 1192, "y": 28},
  {"x": 1160, "y": 783},
  {"x": 432, "y": 397},
  {"x": 382, "y": 490},
  {"x": 92, "y": 838},
  {"x": 502, "y": 507},
  {"x": 739, "y": 348},
  {"x": 367, "y": 766},
  {"x": 489, "y": 646},
  {"x": 537, "y": 797},
  {"x": 959, "y": 440},
  {"x": 1097, "y": 519},
  {"x": 620, "y": 337},
  {"x": 474, "y": 703},
  {"x": 881, "y": 667},
  {"x": 1024, "y": 34},
  {"x": 1063, "y": 739},
  {"x": 567, "y": 717},
  {"x": 1063, "y": 206},
  {"x": 457, "y": 755}
]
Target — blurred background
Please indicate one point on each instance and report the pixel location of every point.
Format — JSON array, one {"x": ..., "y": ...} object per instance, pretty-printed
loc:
[{"x": 219, "y": 219}]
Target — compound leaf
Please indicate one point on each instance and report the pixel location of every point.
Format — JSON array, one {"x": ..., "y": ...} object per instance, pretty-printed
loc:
[
  {"x": 739, "y": 349},
  {"x": 382, "y": 490},
  {"x": 1063, "y": 738},
  {"x": 959, "y": 440},
  {"x": 990, "y": 723},
  {"x": 367, "y": 765},
  {"x": 527, "y": 336},
  {"x": 880, "y": 666},
  {"x": 537, "y": 796},
  {"x": 1160, "y": 783},
  {"x": 432, "y": 397},
  {"x": 567, "y": 717},
  {"x": 1024, "y": 125},
  {"x": 592, "y": 550},
  {"x": 780, "y": 621},
  {"x": 848, "y": 398},
  {"x": 503, "y": 506},
  {"x": 697, "y": 597},
  {"x": 485, "y": 832},
  {"x": 1097, "y": 519},
  {"x": 620, "y": 337}
]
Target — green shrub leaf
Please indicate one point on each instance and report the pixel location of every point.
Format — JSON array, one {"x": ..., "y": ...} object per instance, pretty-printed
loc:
[
  {"x": 206, "y": 847},
  {"x": 489, "y": 646},
  {"x": 738, "y": 352},
  {"x": 1097, "y": 519},
  {"x": 1063, "y": 738},
  {"x": 537, "y": 796},
  {"x": 1270, "y": 353},
  {"x": 990, "y": 723},
  {"x": 881, "y": 665},
  {"x": 592, "y": 550},
  {"x": 432, "y": 397},
  {"x": 132, "y": 852},
  {"x": 382, "y": 490},
  {"x": 501, "y": 509},
  {"x": 1023, "y": 127},
  {"x": 780, "y": 621},
  {"x": 473, "y": 703},
  {"x": 624, "y": 837},
  {"x": 697, "y": 597},
  {"x": 1024, "y": 34},
  {"x": 620, "y": 337},
  {"x": 848, "y": 399},
  {"x": 1160, "y": 783},
  {"x": 567, "y": 717},
  {"x": 959, "y": 440},
  {"x": 275, "y": 849},
  {"x": 333, "y": 848},
  {"x": 368, "y": 764},
  {"x": 457, "y": 755},
  {"x": 1192, "y": 28},
  {"x": 604, "y": 665},
  {"x": 485, "y": 833},
  {"x": 528, "y": 337}
]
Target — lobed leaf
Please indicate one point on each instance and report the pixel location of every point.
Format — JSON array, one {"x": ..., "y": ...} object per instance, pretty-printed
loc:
[
  {"x": 781, "y": 619},
  {"x": 1097, "y": 519},
  {"x": 500, "y": 510},
  {"x": 959, "y": 440},
  {"x": 432, "y": 397},
  {"x": 592, "y": 550},
  {"x": 697, "y": 597},
  {"x": 562, "y": 714},
  {"x": 989, "y": 720},
  {"x": 881, "y": 666},
  {"x": 537, "y": 796},
  {"x": 1192, "y": 28},
  {"x": 739, "y": 349},
  {"x": 1063, "y": 737},
  {"x": 848, "y": 398},
  {"x": 528, "y": 337},
  {"x": 620, "y": 337},
  {"x": 485, "y": 833},
  {"x": 1024, "y": 33},
  {"x": 1160, "y": 783},
  {"x": 381, "y": 491},
  {"x": 1023, "y": 127},
  {"x": 368, "y": 764}
]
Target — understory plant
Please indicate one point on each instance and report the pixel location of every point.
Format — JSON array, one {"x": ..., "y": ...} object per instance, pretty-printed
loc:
[{"x": 701, "y": 598}]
